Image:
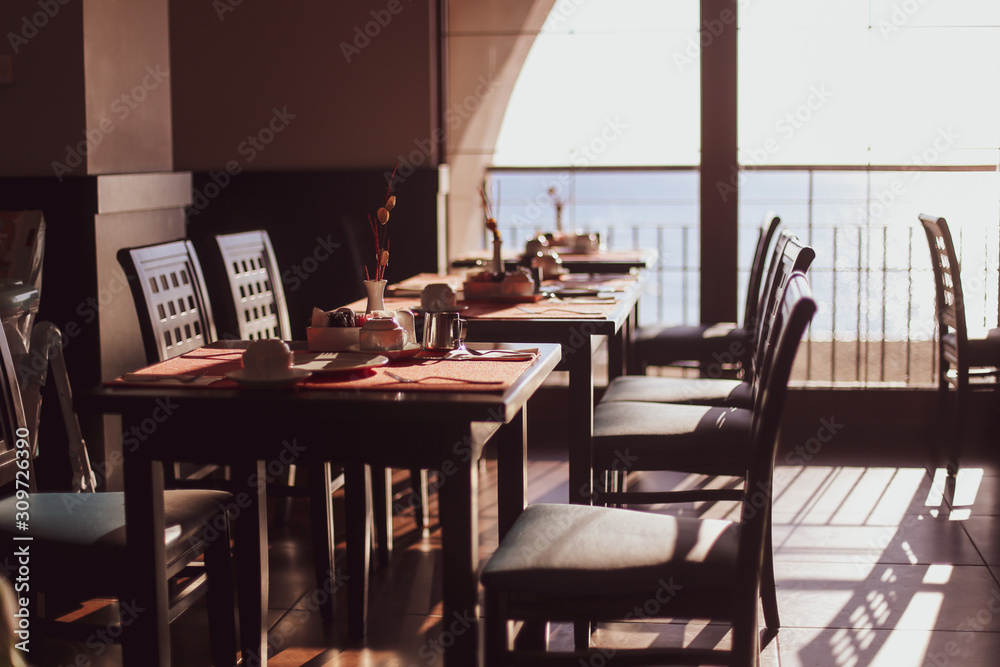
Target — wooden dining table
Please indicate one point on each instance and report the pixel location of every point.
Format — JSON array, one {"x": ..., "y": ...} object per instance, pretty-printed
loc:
[
  {"x": 574, "y": 323},
  {"x": 364, "y": 418}
]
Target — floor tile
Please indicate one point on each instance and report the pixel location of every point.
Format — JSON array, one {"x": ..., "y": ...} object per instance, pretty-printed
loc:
[
  {"x": 813, "y": 647},
  {"x": 985, "y": 534},
  {"x": 977, "y": 492},
  {"x": 856, "y": 538},
  {"x": 823, "y": 493},
  {"x": 645, "y": 634},
  {"x": 291, "y": 575},
  {"x": 906, "y": 597}
]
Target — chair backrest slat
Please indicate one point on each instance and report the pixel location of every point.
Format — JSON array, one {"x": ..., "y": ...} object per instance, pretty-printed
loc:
[
  {"x": 175, "y": 315},
  {"x": 255, "y": 284},
  {"x": 790, "y": 256},
  {"x": 752, "y": 307},
  {"x": 947, "y": 279}
]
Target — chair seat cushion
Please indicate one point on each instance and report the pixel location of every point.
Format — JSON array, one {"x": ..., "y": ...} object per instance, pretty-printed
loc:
[
  {"x": 568, "y": 550},
  {"x": 666, "y": 436},
  {"x": 697, "y": 391},
  {"x": 980, "y": 351},
  {"x": 61, "y": 523},
  {"x": 722, "y": 343}
]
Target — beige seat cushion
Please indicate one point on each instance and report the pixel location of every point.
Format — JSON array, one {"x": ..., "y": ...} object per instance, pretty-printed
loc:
[
  {"x": 667, "y": 436},
  {"x": 697, "y": 391},
  {"x": 567, "y": 550},
  {"x": 981, "y": 351},
  {"x": 706, "y": 343},
  {"x": 86, "y": 531}
]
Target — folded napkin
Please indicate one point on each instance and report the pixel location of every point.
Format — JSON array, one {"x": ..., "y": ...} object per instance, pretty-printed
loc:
[{"x": 492, "y": 355}]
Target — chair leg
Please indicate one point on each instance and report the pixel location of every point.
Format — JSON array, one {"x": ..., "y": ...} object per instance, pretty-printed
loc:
[
  {"x": 581, "y": 634},
  {"x": 768, "y": 589},
  {"x": 959, "y": 423},
  {"x": 495, "y": 617},
  {"x": 358, "y": 511},
  {"x": 746, "y": 639},
  {"x": 382, "y": 511},
  {"x": 285, "y": 508},
  {"x": 323, "y": 539},
  {"x": 221, "y": 601},
  {"x": 418, "y": 483}
]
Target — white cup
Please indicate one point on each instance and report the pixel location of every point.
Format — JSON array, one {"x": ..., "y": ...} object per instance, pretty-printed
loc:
[
  {"x": 406, "y": 320},
  {"x": 267, "y": 359},
  {"x": 382, "y": 334},
  {"x": 438, "y": 297}
]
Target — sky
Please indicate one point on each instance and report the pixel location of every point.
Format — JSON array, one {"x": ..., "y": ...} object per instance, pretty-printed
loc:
[{"x": 616, "y": 82}]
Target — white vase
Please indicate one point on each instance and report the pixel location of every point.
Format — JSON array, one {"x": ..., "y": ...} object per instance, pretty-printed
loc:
[
  {"x": 376, "y": 291},
  {"x": 498, "y": 267}
]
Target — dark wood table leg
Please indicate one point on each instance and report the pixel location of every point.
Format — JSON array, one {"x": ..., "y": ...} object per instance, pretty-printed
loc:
[
  {"x": 250, "y": 533},
  {"x": 382, "y": 513},
  {"x": 632, "y": 361},
  {"x": 147, "y": 641},
  {"x": 512, "y": 470},
  {"x": 321, "y": 528},
  {"x": 459, "y": 510},
  {"x": 581, "y": 423},
  {"x": 358, "y": 510},
  {"x": 420, "y": 499},
  {"x": 617, "y": 353}
]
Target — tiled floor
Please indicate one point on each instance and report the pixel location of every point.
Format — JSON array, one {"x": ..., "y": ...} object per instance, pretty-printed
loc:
[{"x": 874, "y": 567}]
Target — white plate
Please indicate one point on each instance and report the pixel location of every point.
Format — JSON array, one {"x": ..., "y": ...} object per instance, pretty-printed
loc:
[
  {"x": 408, "y": 351},
  {"x": 293, "y": 376},
  {"x": 338, "y": 362}
]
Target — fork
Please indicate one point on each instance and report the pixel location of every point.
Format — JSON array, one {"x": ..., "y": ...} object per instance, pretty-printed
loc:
[
  {"x": 400, "y": 378},
  {"x": 562, "y": 310},
  {"x": 144, "y": 377}
]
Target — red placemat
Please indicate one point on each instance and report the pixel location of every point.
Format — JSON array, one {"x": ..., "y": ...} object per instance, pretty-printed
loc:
[
  {"x": 216, "y": 363},
  {"x": 546, "y": 310},
  {"x": 506, "y": 372},
  {"x": 549, "y": 310},
  {"x": 203, "y": 360}
]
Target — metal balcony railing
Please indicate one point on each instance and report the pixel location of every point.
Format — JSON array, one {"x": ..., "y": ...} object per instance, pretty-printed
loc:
[{"x": 872, "y": 276}]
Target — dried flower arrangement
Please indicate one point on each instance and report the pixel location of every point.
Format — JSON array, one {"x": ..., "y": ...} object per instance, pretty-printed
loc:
[
  {"x": 381, "y": 233},
  {"x": 559, "y": 203}
]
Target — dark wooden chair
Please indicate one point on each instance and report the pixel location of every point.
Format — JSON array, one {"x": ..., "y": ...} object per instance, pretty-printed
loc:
[
  {"x": 77, "y": 540},
  {"x": 717, "y": 346},
  {"x": 258, "y": 308},
  {"x": 579, "y": 563},
  {"x": 789, "y": 256},
  {"x": 175, "y": 315},
  {"x": 962, "y": 361}
]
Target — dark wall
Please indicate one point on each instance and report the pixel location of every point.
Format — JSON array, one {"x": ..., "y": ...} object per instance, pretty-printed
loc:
[
  {"x": 306, "y": 85},
  {"x": 306, "y": 212}
]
